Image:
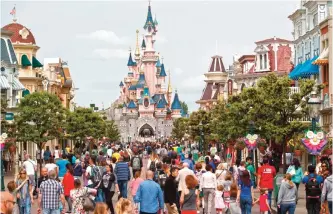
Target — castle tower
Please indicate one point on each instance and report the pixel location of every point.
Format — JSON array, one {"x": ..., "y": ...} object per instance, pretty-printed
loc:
[{"x": 176, "y": 107}]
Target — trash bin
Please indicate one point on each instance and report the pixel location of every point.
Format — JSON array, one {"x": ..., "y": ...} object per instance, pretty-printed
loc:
[{"x": 277, "y": 183}]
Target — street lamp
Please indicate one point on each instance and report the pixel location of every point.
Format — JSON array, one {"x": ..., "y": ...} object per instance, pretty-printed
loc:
[
  {"x": 314, "y": 104},
  {"x": 201, "y": 138},
  {"x": 128, "y": 139}
]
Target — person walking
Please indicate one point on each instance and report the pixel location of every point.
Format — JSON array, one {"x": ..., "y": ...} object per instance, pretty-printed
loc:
[
  {"x": 312, "y": 183},
  {"x": 77, "y": 196},
  {"x": 170, "y": 192},
  {"x": 287, "y": 195},
  {"x": 24, "y": 196},
  {"x": 190, "y": 196},
  {"x": 149, "y": 195},
  {"x": 219, "y": 202},
  {"x": 31, "y": 168},
  {"x": 251, "y": 169},
  {"x": 245, "y": 192},
  {"x": 123, "y": 176},
  {"x": 68, "y": 184},
  {"x": 185, "y": 171},
  {"x": 7, "y": 203},
  {"x": 124, "y": 206},
  {"x": 51, "y": 192},
  {"x": 136, "y": 161},
  {"x": 61, "y": 163},
  {"x": 77, "y": 169},
  {"x": 326, "y": 194},
  {"x": 295, "y": 170},
  {"x": 134, "y": 185},
  {"x": 263, "y": 201},
  {"x": 208, "y": 186},
  {"x": 47, "y": 154},
  {"x": 266, "y": 175},
  {"x": 109, "y": 186}
]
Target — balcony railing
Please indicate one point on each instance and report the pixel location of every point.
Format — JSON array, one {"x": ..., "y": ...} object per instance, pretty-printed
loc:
[{"x": 294, "y": 90}]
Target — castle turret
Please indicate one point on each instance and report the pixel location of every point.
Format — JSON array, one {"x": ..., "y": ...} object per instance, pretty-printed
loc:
[
  {"x": 143, "y": 44},
  {"x": 137, "y": 48},
  {"x": 176, "y": 106}
]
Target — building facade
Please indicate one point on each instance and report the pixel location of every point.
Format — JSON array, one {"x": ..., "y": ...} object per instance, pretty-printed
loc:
[{"x": 145, "y": 109}]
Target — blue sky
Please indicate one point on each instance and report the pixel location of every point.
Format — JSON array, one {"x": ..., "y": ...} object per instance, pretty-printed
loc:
[{"x": 94, "y": 37}]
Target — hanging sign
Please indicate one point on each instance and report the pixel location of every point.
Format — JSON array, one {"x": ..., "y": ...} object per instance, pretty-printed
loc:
[{"x": 314, "y": 142}]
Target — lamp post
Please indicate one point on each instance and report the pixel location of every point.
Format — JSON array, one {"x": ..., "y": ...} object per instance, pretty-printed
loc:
[
  {"x": 201, "y": 138},
  {"x": 128, "y": 139},
  {"x": 314, "y": 102}
]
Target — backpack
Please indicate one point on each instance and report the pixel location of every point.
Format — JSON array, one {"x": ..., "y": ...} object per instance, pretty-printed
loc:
[
  {"x": 312, "y": 188},
  {"x": 136, "y": 163},
  {"x": 152, "y": 166},
  {"x": 161, "y": 179},
  {"x": 96, "y": 176}
]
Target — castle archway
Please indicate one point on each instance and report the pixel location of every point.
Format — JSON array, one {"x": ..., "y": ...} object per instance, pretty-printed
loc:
[{"x": 146, "y": 131}]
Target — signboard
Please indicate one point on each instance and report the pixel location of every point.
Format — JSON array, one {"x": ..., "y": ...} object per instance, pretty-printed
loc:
[
  {"x": 230, "y": 87},
  {"x": 9, "y": 116}
]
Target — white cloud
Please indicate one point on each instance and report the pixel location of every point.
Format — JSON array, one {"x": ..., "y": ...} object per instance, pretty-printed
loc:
[
  {"x": 177, "y": 71},
  {"x": 105, "y": 36},
  {"x": 160, "y": 39},
  {"x": 193, "y": 82},
  {"x": 109, "y": 53}
]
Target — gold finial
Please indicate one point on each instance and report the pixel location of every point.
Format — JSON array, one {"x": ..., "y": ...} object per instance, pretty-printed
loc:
[
  {"x": 137, "y": 49},
  {"x": 169, "y": 84},
  {"x": 161, "y": 58}
]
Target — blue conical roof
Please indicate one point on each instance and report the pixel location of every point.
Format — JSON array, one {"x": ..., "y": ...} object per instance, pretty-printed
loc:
[
  {"x": 141, "y": 81},
  {"x": 121, "y": 84},
  {"x": 149, "y": 19},
  {"x": 160, "y": 104},
  {"x": 158, "y": 63},
  {"x": 162, "y": 73},
  {"x": 132, "y": 88},
  {"x": 130, "y": 60},
  {"x": 155, "y": 21},
  {"x": 176, "y": 103},
  {"x": 143, "y": 45},
  {"x": 131, "y": 105}
]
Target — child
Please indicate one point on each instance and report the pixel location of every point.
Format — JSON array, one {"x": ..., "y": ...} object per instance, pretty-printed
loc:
[
  {"x": 124, "y": 206},
  {"x": 263, "y": 201},
  {"x": 134, "y": 185},
  {"x": 226, "y": 189},
  {"x": 219, "y": 203}
]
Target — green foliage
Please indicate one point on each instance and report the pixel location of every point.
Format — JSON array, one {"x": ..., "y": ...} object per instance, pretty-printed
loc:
[
  {"x": 184, "y": 107},
  {"x": 180, "y": 128},
  {"x": 111, "y": 131},
  {"x": 41, "y": 117},
  {"x": 83, "y": 122},
  {"x": 194, "y": 120}
]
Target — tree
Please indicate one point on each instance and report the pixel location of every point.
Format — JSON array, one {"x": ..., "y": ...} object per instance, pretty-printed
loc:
[
  {"x": 40, "y": 118},
  {"x": 83, "y": 122},
  {"x": 180, "y": 127},
  {"x": 111, "y": 131},
  {"x": 184, "y": 107}
]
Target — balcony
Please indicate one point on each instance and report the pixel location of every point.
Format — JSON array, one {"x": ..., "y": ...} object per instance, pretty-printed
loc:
[{"x": 294, "y": 90}]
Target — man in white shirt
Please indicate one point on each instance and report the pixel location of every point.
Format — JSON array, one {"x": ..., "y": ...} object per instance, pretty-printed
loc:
[
  {"x": 208, "y": 186},
  {"x": 182, "y": 175},
  {"x": 30, "y": 167},
  {"x": 109, "y": 151}
]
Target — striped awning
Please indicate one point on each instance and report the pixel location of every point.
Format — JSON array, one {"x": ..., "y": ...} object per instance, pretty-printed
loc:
[
  {"x": 17, "y": 85},
  {"x": 323, "y": 58},
  {"x": 4, "y": 82}
]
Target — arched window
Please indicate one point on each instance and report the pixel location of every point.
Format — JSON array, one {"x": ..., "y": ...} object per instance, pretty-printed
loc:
[{"x": 260, "y": 60}]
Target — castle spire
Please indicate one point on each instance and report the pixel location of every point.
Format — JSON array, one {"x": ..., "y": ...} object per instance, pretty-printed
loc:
[
  {"x": 143, "y": 45},
  {"x": 169, "y": 91},
  {"x": 149, "y": 20},
  {"x": 130, "y": 60},
  {"x": 137, "y": 49}
]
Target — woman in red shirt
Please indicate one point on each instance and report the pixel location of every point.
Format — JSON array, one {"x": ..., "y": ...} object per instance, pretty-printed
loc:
[{"x": 68, "y": 184}]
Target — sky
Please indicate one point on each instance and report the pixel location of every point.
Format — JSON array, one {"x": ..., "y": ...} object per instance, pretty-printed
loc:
[{"x": 94, "y": 38}]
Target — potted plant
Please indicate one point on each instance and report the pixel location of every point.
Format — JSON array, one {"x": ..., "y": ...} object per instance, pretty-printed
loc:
[
  {"x": 262, "y": 145},
  {"x": 298, "y": 149},
  {"x": 240, "y": 144}
]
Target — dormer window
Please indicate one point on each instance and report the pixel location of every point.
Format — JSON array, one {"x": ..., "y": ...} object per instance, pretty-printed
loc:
[{"x": 262, "y": 60}]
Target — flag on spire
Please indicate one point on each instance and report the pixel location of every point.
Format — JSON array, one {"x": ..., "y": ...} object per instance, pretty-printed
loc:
[{"x": 13, "y": 12}]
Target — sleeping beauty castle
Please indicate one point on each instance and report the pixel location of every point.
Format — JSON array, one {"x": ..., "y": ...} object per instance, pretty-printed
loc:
[{"x": 146, "y": 107}]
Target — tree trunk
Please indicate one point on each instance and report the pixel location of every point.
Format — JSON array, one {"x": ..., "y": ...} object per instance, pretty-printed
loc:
[
  {"x": 40, "y": 145},
  {"x": 284, "y": 150}
]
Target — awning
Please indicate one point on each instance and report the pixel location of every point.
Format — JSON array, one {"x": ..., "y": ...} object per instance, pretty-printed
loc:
[
  {"x": 25, "y": 61},
  {"x": 36, "y": 63},
  {"x": 323, "y": 58},
  {"x": 17, "y": 85},
  {"x": 4, "y": 82},
  {"x": 293, "y": 73},
  {"x": 309, "y": 69},
  {"x": 25, "y": 92}
]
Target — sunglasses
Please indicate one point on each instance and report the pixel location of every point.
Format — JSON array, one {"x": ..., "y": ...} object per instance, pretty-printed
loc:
[{"x": 23, "y": 173}]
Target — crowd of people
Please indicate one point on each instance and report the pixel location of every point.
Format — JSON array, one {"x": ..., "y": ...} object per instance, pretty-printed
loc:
[{"x": 165, "y": 177}]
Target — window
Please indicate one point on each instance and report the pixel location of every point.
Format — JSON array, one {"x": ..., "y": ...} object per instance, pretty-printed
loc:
[
  {"x": 265, "y": 61},
  {"x": 299, "y": 30},
  {"x": 260, "y": 59},
  {"x": 325, "y": 74},
  {"x": 322, "y": 12},
  {"x": 315, "y": 19}
]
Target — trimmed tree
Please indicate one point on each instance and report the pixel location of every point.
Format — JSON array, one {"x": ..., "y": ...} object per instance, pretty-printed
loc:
[
  {"x": 180, "y": 126},
  {"x": 111, "y": 131},
  {"x": 40, "y": 118}
]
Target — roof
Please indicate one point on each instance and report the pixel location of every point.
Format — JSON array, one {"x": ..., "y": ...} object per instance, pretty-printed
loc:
[
  {"x": 121, "y": 84},
  {"x": 7, "y": 54},
  {"x": 216, "y": 64},
  {"x": 143, "y": 45},
  {"x": 176, "y": 103},
  {"x": 130, "y": 61},
  {"x": 4, "y": 82},
  {"x": 162, "y": 73},
  {"x": 207, "y": 93},
  {"x": 160, "y": 104},
  {"x": 149, "y": 20},
  {"x": 158, "y": 63},
  {"x": 274, "y": 40},
  {"x": 132, "y": 88},
  {"x": 67, "y": 77},
  {"x": 141, "y": 82},
  {"x": 245, "y": 58},
  {"x": 21, "y": 34},
  {"x": 131, "y": 105}
]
